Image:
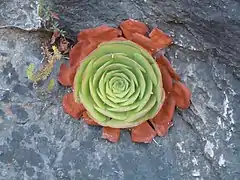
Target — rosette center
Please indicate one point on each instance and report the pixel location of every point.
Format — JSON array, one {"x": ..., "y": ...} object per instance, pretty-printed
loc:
[{"x": 119, "y": 84}]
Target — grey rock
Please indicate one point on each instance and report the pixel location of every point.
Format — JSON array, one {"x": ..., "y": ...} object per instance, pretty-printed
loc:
[
  {"x": 20, "y": 14},
  {"x": 204, "y": 142}
]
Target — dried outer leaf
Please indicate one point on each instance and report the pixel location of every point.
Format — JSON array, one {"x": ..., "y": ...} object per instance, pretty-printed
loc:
[
  {"x": 182, "y": 95},
  {"x": 72, "y": 108},
  {"x": 131, "y": 26},
  {"x": 165, "y": 62},
  {"x": 143, "y": 133},
  {"x": 160, "y": 39},
  {"x": 72, "y": 71},
  {"x": 56, "y": 34},
  {"x": 163, "y": 120},
  {"x": 54, "y": 15},
  {"x": 145, "y": 42},
  {"x": 111, "y": 134},
  {"x": 76, "y": 51},
  {"x": 166, "y": 78},
  {"x": 119, "y": 39},
  {"x": 127, "y": 34},
  {"x": 65, "y": 75},
  {"x": 101, "y": 33},
  {"x": 89, "y": 120},
  {"x": 76, "y": 57},
  {"x": 63, "y": 46}
]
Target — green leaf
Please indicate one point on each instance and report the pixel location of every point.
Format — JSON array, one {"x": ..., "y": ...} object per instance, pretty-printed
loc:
[
  {"x": 29, "y": 71},
  {"x": 40, "y": 8},
  {"x": 119, "y": 84},
  {"x": 51, "y": 85}
]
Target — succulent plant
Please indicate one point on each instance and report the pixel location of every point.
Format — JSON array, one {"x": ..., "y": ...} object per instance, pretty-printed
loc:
[
  {"x": 120, "y": 81},
  {"x": 119, "y": 84}
]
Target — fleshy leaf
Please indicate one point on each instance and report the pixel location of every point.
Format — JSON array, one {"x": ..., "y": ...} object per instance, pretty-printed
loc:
[
  {"x": 71, "y": 107},
  {"x": 111, "y": 134},
  {"x": 117, "y": 83},
  {"x": 143, "y": 133}
]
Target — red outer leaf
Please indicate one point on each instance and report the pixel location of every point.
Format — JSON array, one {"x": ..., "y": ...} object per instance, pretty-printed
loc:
[
  {"x": 143, "y": 133},
  {"x": 119, "y": 39},
  {"x": 76, "y": 51},
  {"x": 160, "y": 39},
  {"x": 89, "y": 120},
  {"x": 127, "y": 34},
  {"x": 65, "y": 75},
  {"x": 166, "y": 78},
  {"x": 112, "y": 134},
  {"x": 131, "y": 26},
  {"x": 165, "y": 62},
  {"x": 144, "y": 41},
  {"x": 88, "y": 49},
  {"x": 72, "y": 108},
  {"x": 77, "y": 60},
  {"x": 100, "y": 33},
  {"x": 163, "y": 120},
  {"x": 182, "y": 95}
]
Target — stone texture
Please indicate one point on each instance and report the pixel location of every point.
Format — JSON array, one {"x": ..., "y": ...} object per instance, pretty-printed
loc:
[
  {"x": 39, "y": 141},
  {"x": 21, "y": 14}
]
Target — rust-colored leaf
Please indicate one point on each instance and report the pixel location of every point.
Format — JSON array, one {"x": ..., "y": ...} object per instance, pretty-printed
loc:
[
  {"x": 89, "y": 120},
  {"x": 72, "y": 108},
  {"x": 119, "y": 39},
  {"x": 127, "y": 34},
  {"x": 165, "y": 62},
  {"x": 182, "y": 95},
  {"x": 144, "y": 41},
  {"x": 163, "y": 120},
  {"x": 86, "y": 51},
  {"x": 131, "y": 26},
  {"x": 177, "y": 93},
  {"x": 99, "y": 34},
  {"x": 76, "y": 52},
  {"x": 143, "y": 133},
  {"x": 160, "y": 39},
  {"x": 111, "y": 134},
  {"x": 65, "y": 75},
  {"x": 166, "y": 78}
]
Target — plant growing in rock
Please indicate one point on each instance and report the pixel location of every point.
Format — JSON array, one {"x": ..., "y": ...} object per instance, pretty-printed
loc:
[
  {"x": 121, "y": 81},
  {"x": 53, "y": 49}
]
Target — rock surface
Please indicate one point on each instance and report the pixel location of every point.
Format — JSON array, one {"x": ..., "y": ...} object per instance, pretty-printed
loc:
[
  {"x": 38, "y": 141},
  {"x": 21, "y": 14}
]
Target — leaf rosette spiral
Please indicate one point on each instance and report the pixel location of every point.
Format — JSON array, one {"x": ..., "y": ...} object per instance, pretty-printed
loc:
[
  {"x": 119, "y": 84},
  {"x": 120, "y": 79}
]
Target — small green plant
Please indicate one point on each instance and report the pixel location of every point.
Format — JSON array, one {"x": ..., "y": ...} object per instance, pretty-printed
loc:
[
  {"x": 46, "y": 70},
  {"x": 51, "y": 85},
  {"x": 40, "y": 8},
  {"x": 30, "y": 71},
  {"x": 53, "y": 49},
  {"x": 49, "y": 18}
]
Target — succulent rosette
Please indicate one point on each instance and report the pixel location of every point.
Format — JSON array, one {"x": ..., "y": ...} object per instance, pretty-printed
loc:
[{"x": 118, "y": 83}]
